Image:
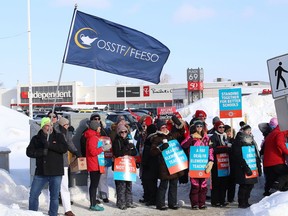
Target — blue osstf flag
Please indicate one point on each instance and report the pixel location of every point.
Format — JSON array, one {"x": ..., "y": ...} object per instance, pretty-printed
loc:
[{"x": 100, "y": 44}]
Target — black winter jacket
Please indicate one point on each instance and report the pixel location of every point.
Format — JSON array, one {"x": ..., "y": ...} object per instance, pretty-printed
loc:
[
  {"x": 240, "y": 167},
  {"x": 52, "y": 164}
]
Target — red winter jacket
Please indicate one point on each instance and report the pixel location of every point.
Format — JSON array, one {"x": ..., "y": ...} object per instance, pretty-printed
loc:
[
  {"x": 275, "y": 148},
  {"x": 92, "y": 138}
]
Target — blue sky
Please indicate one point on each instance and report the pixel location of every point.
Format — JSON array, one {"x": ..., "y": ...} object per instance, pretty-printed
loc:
[{"x": 227, "y": 38}]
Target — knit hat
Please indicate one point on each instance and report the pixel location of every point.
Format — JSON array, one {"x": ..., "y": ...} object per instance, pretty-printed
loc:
[
  {"x": 120, "y": 118},
  {"x": 200, "y": 113},
  {"x": 45, "y": 121},
  {"x": 273, "y": 123},
  {"x": 245, "y": 127},
  {"x": 227, "y": 128},
  {"x": 215, "y": 119},
  {"x": 94, "y": 125},
  {"x": 55, "y": 113},
  {"x": 218, "y": 123},
  {"x": 151, "y": 129},
  {"x": 120, "y": 128},
  {"x": 63, "y": 121},
  {"x": 198, "y": 122},
  {"x": 160, "y": 123},
  {"x": 242, "y": 123},
  {"x": 95, "y": 115}
]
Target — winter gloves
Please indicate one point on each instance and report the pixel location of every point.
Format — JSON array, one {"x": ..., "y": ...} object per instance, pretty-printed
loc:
[
  {"x": 247, "y": 170},
  {"x": 177, "y": 122},
  {"x": 107, "y": 146},
  {"x": 164, "y": 146},
  {"x": 209, "y": 167}
]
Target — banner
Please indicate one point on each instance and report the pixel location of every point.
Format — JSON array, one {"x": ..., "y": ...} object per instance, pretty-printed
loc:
[
  {"x": 100, "y": 44},
  {"x": 249, "y": 156},
  {"x": 198, "y": 161},
  {"x": 125, "y": 168},
  {"x": 174, "y": 157},
  {"x": 223, "y": 164}
]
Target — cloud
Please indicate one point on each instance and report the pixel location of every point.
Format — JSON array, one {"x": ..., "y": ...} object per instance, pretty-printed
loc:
[
  {"x": 248, "y": 12},
  {"x": 84, "y": 3},
  {"x": 189, "y": 13}
]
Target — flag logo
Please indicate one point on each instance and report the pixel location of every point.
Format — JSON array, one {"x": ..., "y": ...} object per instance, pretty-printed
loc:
[{"x": 87, "y": 36}]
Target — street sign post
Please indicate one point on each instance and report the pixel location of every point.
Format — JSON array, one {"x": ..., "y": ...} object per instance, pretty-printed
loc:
[
  {"x": 230, "y": 103},
  {"x": 278, "y": 75}
]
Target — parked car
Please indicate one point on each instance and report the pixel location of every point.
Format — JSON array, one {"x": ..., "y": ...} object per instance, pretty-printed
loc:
[{"x": 113, "y": 116}]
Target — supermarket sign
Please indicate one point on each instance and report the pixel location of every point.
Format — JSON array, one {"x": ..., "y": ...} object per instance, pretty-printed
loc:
[{"x": 230, "y": 103}]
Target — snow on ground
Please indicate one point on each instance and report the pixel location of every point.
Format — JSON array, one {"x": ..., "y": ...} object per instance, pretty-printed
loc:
[{"x": 14, "y": 186}]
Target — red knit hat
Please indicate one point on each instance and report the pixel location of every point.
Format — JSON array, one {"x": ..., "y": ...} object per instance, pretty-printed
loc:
[
  {"x": 200, "y": 113},
  {"x": 217, "y": 124}
]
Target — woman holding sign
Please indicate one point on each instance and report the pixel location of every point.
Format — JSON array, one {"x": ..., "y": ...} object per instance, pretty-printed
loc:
[
  {"x": 92, "y": 136},
  {"x": 194, "y": 143},
  {"x": 159, "y": 145},
  {"x": 247, "y": 164},
  {"x": 123, "y": 146}
]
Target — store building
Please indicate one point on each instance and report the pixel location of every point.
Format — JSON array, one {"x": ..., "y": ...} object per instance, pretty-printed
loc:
[{"x": 74, "y": 93}]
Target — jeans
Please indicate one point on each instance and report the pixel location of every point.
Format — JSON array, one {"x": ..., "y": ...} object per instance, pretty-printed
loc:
[{"x": 39, "y": 182}]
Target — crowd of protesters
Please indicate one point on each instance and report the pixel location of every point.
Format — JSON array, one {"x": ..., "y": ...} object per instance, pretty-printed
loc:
[{"x": 233, "y": 158}]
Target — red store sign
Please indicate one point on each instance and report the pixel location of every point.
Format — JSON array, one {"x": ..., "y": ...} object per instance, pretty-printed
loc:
[{"x": 195, "y": 86}]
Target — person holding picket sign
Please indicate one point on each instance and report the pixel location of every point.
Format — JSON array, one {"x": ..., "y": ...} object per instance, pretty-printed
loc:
[
  {"x": 92, "y": 136},
  {"x": 123, "y": 146},
  {"x": 221, "y": 168},
  {"x": 197, "y": 141},
  {"x": 159, "y": 142},
  {"x": 247, "y": 164}
]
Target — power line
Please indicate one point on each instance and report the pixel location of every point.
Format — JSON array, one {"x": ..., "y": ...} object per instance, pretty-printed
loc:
[{"x": 13, "y": 36}]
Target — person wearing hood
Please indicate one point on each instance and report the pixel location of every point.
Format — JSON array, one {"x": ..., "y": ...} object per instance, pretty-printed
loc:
[
  {"x": 123, "y": 145},
  {"x": 160, "y": 143},
  {"x": 274, "y": 161},
  {"x": 247, "y": 164},
  {"x": 92, "y": 135}
]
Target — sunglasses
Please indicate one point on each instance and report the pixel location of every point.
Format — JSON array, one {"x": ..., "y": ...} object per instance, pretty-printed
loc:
[
  {"x": 123, "y": 132},
  {"x": 199, "y": 126},
  {"x": 221, "y": 127},
  {"x": 96, "y": 118}
]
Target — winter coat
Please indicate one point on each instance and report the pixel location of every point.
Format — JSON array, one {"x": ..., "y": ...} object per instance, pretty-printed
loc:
[
  {"x": 197, "y": 140},
  {"x": 241, "y": 140},
  {"x": 122, "y": 147},
  {"x": 156, "y": 141},
  {"x": 275, "y": 148},
  {"x": 150, "y": 166},
  {"x": 92, "y": 150},
  {"x": 71, "y": 147},
  {"x": 52, "y": 164},
  {"x": 219, "y": 144}
]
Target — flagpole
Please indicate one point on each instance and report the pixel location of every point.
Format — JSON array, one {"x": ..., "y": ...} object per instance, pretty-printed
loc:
[
  {"x": 95, "y": 96},
  {"x": 125, "y": 102},
  {"x": 29, "y": 63},
  {"x": 70, "y": 33}
]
